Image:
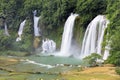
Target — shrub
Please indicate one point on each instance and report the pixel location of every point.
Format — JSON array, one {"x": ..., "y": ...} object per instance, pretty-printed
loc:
[
  {"x": 117, "y": 70},
  {"x": 92, "y": 59}
]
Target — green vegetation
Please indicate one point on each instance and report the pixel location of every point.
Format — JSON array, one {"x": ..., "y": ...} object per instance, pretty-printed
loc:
[
  {"x": 113, "y": 12},
  {"x": 53, "y": 16},
  {"x": 92, "y": 59},
  {"x": 118, "y": 70}
]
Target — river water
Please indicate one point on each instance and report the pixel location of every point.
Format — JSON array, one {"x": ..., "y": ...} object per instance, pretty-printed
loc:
[{"x": 37, "y": 67}]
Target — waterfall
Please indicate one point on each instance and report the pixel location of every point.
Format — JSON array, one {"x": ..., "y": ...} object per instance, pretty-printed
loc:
[
  {"x": 67, "y": 35},
  {"x": 6, "y": 30},
  {"x": 36, "y": 28},
  {"x": 20, "y": 31},
  {"x": 94, "y": 36},
  {"x": 106, "y": 52},
  {"x": 107, "y": 49},
  {"x": 48, "y": 46}
]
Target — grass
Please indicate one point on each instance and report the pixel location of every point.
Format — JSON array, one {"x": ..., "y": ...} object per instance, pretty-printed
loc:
[
  {"x": 97, "y": 73},
  {"x": 13, "y": 53},
  {"x": 13, "y": 77},
  {"x": 92, "y": 77}
]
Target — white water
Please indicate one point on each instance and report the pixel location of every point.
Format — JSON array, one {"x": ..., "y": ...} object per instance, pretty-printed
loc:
[
  {"x": 42, "y": 65},
  {"x": 48, "y": 46},
  {"x": 67, "y": 36},
  {"x": 6, "y": 30},
  {"x": 36, "y": 28},
  {"x": 106, "y": 52},
  {"x": 20, "y": 31},
  {"x": 94, "y": 36}
]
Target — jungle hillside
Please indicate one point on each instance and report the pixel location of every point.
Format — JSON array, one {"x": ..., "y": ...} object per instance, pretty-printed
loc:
[{"x": 53, "y": 15}]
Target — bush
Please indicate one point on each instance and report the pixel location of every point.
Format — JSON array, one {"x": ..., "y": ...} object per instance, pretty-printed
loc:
[
  {"x": 114, "y": 58},
  {"x": 117, "y": 70},
  {"x": 92, "y": 59},
  {"x": 14, "y": 53}
]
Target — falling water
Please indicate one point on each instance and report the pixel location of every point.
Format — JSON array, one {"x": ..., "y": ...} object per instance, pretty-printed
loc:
[
  {"x": 6, "y": 30},
  {"x": 106, "y": 52},
  {"x": 48, "y": 46},
  {"x": 67, "y": 35},
  {"x": 107, "y": 49},
  {"x": 20, "y": 31},
  {"x": 94, "y": 36},
  {"x": 36, "y": 28}
]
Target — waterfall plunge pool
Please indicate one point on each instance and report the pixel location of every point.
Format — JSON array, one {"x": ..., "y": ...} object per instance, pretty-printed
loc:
[{"x": 36, "y": 67}]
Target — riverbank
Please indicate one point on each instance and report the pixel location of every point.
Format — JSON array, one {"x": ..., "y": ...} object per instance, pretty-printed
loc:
[
  {"x": 94, "y": 73},
  {"x": 12, "y": 68}
]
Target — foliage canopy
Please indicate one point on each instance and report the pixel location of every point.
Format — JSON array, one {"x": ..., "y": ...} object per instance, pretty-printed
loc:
[{"x": 53, "y": 15}]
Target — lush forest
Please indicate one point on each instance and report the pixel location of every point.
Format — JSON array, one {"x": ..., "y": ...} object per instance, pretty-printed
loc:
[{"x": 53, "y": 16}]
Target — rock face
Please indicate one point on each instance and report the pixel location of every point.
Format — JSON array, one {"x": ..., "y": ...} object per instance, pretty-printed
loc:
[{"x": 36, "y": 42}]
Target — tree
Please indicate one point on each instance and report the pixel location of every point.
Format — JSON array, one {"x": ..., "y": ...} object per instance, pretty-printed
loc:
[
  {"x": 114, "y": 30},
  {"x": 92, "y": 59}
]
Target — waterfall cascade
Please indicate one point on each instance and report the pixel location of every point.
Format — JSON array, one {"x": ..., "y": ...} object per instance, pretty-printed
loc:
[
  {"x": 67, "y": 36},
  {"x": 106, "y": 52},
  {"x": 20, "y": 31},
  {"x": 6, "y": 30},
  {"x": 48, "y": 46},
  {"x": 36, "y": 28},
  {"x": 94, "y": 36}
]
